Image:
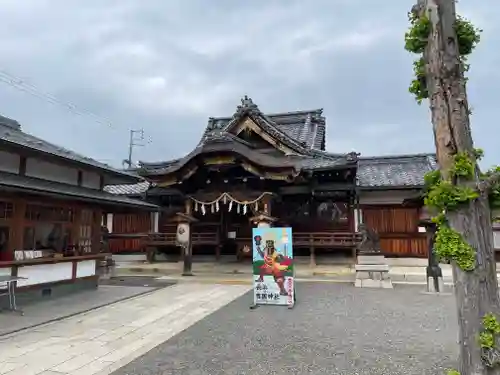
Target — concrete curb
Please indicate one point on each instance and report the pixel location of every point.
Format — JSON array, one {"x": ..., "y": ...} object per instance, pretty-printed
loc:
[
  {"x": 345, "y": 276},
  {"x": 228, "y": 281}
]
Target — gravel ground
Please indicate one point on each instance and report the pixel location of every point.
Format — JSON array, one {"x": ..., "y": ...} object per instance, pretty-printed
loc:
[{"x": 334, "y": 329}]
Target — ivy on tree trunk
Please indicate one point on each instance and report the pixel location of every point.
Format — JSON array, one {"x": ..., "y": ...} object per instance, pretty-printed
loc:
[{"x": 476, "y": 289}]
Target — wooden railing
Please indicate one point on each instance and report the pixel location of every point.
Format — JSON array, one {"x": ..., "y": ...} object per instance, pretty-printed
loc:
[
  {"x": 326, "y": 239},
  {"x": 126, "y": 242},
  {"x": 169, "y": 239},
  {"x": 316, "y": 239},
  {"x": 300, "y": 239}
]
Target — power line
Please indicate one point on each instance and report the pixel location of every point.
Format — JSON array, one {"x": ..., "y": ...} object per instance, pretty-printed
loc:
[{"x": 23, "y": 85}]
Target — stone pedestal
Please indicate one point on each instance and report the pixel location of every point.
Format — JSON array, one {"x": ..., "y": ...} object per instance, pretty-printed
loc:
[
  {"x": 372, "y": 271},
  {"x": 431, "y": 284},
  {"x": 183, "y": 238},
  {"x": 151, "y": 254}
]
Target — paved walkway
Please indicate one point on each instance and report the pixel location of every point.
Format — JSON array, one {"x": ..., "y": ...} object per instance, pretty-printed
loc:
[
  {"x": 103, "y": 340},
  {"x": 52, "y": 309}
]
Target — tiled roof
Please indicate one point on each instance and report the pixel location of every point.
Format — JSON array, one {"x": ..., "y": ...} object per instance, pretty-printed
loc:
[
  {"x": 314, "y": 159},
  {"x": 128, "y": 189},
  {"x": 395, "y": 171},
  {"x": 373, "y": 172},
  {"x": 11, "y": 133},
  {"x": 306, "y": 127},
  {"x": 23, "y": 183},
  {"x": 301, "y": 131}
]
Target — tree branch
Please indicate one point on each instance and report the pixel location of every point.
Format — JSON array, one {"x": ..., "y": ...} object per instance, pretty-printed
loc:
[{"x": 485, "y": 186}]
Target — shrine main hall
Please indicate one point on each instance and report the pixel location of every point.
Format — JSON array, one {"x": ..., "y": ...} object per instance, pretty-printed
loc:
[{"x": 252, "y": 165}]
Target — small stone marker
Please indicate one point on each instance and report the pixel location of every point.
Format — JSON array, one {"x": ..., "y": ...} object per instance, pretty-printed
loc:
[{"x": 372, "y": 271}]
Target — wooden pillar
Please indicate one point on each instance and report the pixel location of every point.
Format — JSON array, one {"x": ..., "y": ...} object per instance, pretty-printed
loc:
[
  {"x": 188, "y": 249},
  {"x": 312, "y": 216},
  {"x": 312, "y": 252},
  {"x": 188, "y": 206},
  {"x": 75, "y": 228},
  {"x": 96, "y": 230},
  {"x": 358, "y": 219},
  {"x": 267, "y": 205},
  {"x": 222, "y": 233},
  {"x": 17, "y": 228}
]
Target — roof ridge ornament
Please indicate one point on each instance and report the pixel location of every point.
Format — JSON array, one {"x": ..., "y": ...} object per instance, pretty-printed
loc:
[
  {"x": 352, "y": 156},
  {"x": 246, "y": 101},
  {"x": 247, "y": 105}
]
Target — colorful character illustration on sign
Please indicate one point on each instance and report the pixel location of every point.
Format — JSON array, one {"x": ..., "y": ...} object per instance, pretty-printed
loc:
[{"x": 275, "y": 264}]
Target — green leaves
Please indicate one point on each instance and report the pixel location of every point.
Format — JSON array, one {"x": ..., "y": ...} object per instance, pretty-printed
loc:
[
  {"x": 463, "y": 166},
  {"x": 418, "y": 86},
  {"x": 450, "y": 245},
  {"x": 445, "y": 196},
  {"x": 417, "y": 35},
  {"x": 416, "y": 40},
  {"x": 468, "y": 36}
]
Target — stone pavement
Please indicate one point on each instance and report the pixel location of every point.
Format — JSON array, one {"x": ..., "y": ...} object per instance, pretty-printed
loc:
[
  {"x": 335, "y": 328},
  {"x": 57, "y": 308},
  {"x": 103, "y": 340}
]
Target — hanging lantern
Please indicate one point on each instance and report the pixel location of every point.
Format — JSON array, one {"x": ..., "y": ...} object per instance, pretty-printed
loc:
[
  {"x": 238, "y": 208},
  {"x": 203, "y": 211},
  {"x": 196, "y": 206},
  {"x": 230, "y": 206},
  {"x": 245, "y": 209},
  {"x": 212, "y": 208},
  {"x": 217, "y": 206},
  {"x": 256, "y": 206},
  {"x": 225, "y": 198}
]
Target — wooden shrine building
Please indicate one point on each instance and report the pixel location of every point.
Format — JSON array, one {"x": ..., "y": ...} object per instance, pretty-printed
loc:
[
  {"x": 52, "y": 204},
  {"x": 255, "y": 164}
]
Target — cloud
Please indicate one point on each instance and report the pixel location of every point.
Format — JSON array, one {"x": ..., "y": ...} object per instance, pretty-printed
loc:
[{"x": 166, "y": 66}]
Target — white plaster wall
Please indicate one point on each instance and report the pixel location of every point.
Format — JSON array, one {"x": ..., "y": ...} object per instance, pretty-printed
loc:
[
  {"x": 9, "y": 162},
  {"x": 52, "y": 172},
  {"x": 385, "y": 197},
  {"x": 45, "y": 273},
  {"x": 155, "y": 222},
  {"x": 86, "y": 268},
  {"x": 358, "y": 218},
  {"x": 496, "y": 239},
  {"x": 5, "y": 271},
  {"x": 109, "y": 222},
  {"x": 91, "y": 180}
]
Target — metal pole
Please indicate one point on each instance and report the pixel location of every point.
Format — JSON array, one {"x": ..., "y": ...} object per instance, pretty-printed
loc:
[
  {"x": 433, "y": 269},
  {"x": 130, "y": 147},
  {"x": 188, "y": 260}
]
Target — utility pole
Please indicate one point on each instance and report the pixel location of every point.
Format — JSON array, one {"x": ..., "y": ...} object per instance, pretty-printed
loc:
[
  {"x": 136, "y": 139},
  {"x": 476, "y": 290}
]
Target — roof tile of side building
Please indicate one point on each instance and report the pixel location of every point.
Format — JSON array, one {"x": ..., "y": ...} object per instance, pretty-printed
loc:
[
  {"x": 11, "y": 133},
  {"x": 128, "y": 189},
  {"x": 394, "y": 171},
  {"x": 373, "y": 172}
]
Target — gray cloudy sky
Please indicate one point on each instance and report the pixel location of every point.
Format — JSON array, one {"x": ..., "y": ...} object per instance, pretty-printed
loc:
[{"x": 167, "y": 65}]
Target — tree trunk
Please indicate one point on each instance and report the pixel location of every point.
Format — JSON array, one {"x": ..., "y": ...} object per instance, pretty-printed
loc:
[{"x": 476, "y": 291}]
